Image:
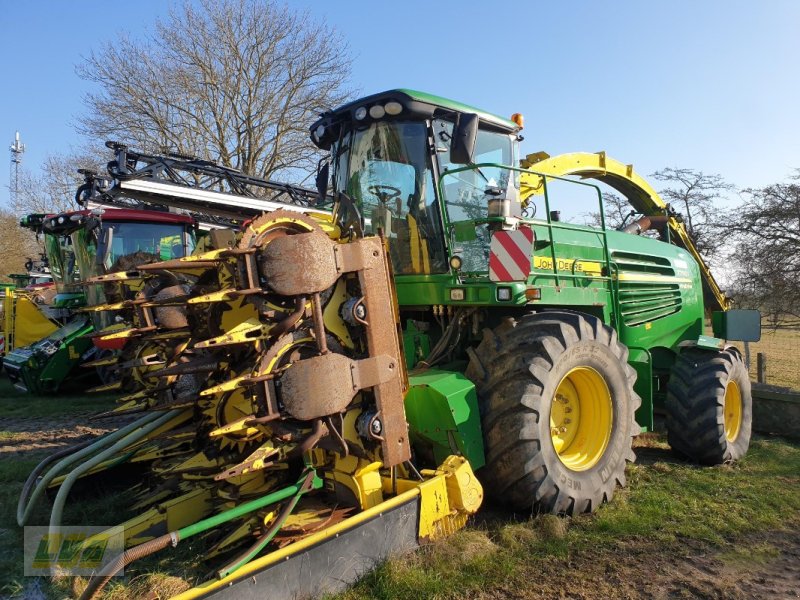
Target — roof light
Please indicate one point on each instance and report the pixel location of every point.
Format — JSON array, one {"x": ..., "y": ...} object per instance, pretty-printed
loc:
[
  {"x": 377, "y": 111},
  {"x": 518, "y": 119},
  {"x": 360, "y": 113},
  {"x": 60, "y": 220},
  {"x": 319, "y": 131},
  {"x": 393, "y": 108}
]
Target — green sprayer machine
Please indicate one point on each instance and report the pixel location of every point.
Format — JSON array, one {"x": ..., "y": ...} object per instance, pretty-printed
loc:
[
  {"x": 57, "y": 340},
  {"x": 343, "y": 377}
]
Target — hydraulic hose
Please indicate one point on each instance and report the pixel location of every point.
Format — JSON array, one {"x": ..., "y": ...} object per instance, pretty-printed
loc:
[
  {"x": 73, "y": 454},
  {"x": 97, "y": 583},
  {"x": 266, "y": 538},
  {"x": 66, "y": 485},
  {"x": 309, "y": 481}
]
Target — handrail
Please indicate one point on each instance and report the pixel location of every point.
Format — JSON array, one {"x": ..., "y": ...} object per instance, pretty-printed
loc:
[{"x": 636, "y": 190}]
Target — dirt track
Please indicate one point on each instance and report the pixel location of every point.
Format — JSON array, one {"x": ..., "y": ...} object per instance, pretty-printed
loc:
[
  {"x": 771, "y": 569},
  {"x": 23, "y": 436}
]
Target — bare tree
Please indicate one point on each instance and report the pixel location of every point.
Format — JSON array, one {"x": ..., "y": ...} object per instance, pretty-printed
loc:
[
  {"x": 236, "y": 81},
  {"x": 17, "y": 245},
  {"x": 765, "y": 232},
  {"x": 53, "y": 189},
  {"x": 617, "y": 211},
  {"x": 695, "y": 196}
]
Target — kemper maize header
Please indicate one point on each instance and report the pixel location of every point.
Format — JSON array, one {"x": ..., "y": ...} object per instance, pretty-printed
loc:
[{"x": 342, "y": 377}]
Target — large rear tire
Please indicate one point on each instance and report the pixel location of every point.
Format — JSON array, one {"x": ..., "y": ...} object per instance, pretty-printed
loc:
[
  {"x": 709, "y": 406},
  {"x": 558, "y": 411}
]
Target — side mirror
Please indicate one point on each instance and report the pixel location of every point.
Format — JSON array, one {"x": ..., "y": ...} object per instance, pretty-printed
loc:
[
  {"x": 322, "y": 182},
  {"x": 106, "y": 240},
  {"x": 462, "y": 145}
]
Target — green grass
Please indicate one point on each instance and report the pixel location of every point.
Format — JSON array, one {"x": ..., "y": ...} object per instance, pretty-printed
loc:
[
  {"x": 666, "y": 504},
  {"x": 15, "y": 403},
  {"x": 16, "y": 407}
]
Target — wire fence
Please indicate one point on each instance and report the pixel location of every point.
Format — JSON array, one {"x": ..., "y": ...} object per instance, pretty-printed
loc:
[{"x": 775, "y": 360}]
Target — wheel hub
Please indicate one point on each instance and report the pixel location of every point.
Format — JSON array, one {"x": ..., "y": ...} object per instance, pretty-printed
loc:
[
  {"x": 581, "y": 418},
  {"x": 732, "y": 410}
]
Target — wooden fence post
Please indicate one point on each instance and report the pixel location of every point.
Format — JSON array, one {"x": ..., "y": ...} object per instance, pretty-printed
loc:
[{"x": 761, "y": 367}]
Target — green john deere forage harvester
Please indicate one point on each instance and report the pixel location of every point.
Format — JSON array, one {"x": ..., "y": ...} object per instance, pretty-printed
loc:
[
  {"x": 594, "y": 328},
  {"x": 329, "y": 381}
]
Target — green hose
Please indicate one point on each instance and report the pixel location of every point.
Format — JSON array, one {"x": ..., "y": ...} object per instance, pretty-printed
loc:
[
  {"x": 261, "y": 543},
  {"x": 25, "y": 506},
  {"x": 309, "y": 481},
  {"x": 66, "y": 485}
]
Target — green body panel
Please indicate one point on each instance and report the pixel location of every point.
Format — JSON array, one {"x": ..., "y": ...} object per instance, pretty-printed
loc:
[
  {"x": 642, "y": 361},
  {"x": 442, "y": 414},
  {"x": 707, "y": 342},
  {"x": 69, "y": 300},
  {"x": 416, "y": 344},
  {"x": 660, "y": 303},
  {"x": 42, "y": 367},
  {"x": 653, "y": 297}
]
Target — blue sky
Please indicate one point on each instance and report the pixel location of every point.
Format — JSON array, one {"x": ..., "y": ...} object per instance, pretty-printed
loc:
[{"x": 709, "y": 85}]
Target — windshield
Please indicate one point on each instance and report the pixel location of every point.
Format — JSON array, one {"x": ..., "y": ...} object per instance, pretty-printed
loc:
[
  {"x": 124, "y": 245},
  {"x": 386, "y": 170},
  {"x": 131, "y": 244},
  {"x": 61, "y": 259},
  {"x": 468, "y": 194}
]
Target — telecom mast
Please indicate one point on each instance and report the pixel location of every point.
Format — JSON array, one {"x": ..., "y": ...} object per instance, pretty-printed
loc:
[{"x": 17, "y": 150}]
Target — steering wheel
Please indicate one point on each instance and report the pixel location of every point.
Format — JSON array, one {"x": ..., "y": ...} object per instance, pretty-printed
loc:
[{"x": 384, "y": 192}]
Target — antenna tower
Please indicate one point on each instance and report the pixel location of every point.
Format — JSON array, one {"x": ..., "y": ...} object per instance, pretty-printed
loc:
[{"x": 17, "y": 150}]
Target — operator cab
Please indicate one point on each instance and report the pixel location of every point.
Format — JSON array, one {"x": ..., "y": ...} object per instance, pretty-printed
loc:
[
  {"x": 416, "y": 169},
  {"x": 90, "y": 243}
]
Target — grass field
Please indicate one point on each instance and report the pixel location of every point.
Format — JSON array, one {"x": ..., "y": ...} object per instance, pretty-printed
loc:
[
  {"x": 782, "y": 349},
  {"x": 697, "y": 529},
  {"x": 669, "y": 509},
  {"x": 31, "y": 427}
]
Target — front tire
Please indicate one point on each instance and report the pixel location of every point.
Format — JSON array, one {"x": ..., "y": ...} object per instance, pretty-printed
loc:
[
  {"x": 709, "y": 406},
  {"x": 558, "y": 411}
]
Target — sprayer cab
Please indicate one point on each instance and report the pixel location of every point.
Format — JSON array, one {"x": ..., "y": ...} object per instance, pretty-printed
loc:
[{"x": 393, "y": 157}]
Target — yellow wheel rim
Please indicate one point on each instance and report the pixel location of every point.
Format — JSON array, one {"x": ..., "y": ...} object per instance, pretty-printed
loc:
[
  {"x": 581, "y": 418},
  {"x": 732, "y": 410}
]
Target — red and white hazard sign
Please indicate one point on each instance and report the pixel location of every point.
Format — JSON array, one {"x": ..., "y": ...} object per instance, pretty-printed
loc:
[{"x": 510, "y": 255}]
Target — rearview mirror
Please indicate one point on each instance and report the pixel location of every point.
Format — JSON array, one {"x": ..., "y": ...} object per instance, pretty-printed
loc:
[{"x": 462, "y": 145}]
